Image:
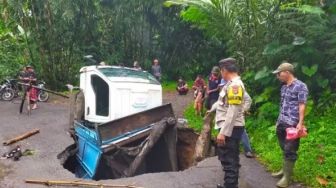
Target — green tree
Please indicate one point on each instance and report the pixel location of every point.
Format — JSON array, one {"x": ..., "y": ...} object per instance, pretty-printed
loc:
[
  {"x": 263, "y": 33},
  {"x": 59, "y": 33}
]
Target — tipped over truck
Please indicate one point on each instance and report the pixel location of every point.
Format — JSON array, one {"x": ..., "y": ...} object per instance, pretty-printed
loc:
[{"x": 119, "y": 125}]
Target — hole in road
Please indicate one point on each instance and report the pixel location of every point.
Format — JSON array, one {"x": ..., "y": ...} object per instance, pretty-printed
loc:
[{"x": 117, "y": 162}]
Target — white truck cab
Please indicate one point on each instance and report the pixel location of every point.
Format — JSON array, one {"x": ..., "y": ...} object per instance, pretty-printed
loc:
[{"x": 113, "y": 92}]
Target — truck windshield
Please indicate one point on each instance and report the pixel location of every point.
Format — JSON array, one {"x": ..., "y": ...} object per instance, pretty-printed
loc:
[{"x": 128, "y": 73}]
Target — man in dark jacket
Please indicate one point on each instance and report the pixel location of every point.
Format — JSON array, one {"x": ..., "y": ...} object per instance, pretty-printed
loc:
[{"x": 213, "y": 87}]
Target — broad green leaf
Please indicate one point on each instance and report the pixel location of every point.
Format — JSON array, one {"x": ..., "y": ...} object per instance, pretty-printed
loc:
[
  {"x": 311, "y": 9},
  {"x": 323, "y": 83},
  {"x": 258, "y": 99},
  {"x": 309, "y": 71},
  {"x": 271, "y": 48},
  {"x": 264, "y": 96},
  {"x": 275, "y": 48},
  {"x": 168, "y": 4},
  {"x": 262, "y": 73}
]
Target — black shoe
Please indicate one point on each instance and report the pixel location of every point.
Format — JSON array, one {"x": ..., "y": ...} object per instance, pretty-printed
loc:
[{"x": 249, "y": 155}]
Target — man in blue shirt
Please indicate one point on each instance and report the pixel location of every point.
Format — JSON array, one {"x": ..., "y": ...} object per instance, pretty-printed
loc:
[
  {"x": 294, "y": 95},
  {"x": 213, "y": 87}
]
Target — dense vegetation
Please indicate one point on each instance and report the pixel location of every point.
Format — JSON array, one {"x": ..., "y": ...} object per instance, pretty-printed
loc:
[
  {"x": 55, "y": 35},
  {"x": 316, "y": 164},
  {"x": 260, "y": 34},
  {"x": 189, "y": 37}
]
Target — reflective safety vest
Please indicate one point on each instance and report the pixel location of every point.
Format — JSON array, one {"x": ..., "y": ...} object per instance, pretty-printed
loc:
[{"x": 235, "y": 94}]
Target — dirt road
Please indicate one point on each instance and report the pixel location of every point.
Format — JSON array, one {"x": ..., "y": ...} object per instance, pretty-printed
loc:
[
  {"x": 52, "y": 120},
  {"x": 179, "y": 102}
]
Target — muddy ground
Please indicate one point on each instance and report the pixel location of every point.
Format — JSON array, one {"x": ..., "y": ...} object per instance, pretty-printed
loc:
[{"x": 52, "y": 120}]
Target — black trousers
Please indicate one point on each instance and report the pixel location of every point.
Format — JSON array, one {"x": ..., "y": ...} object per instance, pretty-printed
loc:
[
  {"x": 228, "y": 155},
  {"x": 210, "y": 102},
  {"x": 288, "y": 147}
]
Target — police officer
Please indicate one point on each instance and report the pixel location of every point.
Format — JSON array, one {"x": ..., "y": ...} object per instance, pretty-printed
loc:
[{"x": 230, "y": 121}]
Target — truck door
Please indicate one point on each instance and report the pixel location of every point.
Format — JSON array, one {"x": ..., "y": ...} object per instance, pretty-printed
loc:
[{"x": 97, "y": 99}]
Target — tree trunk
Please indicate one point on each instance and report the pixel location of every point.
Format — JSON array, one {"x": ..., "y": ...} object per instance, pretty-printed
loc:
[{"x": 202, "y": 147}]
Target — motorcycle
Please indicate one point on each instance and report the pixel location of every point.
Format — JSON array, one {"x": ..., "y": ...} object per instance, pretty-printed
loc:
[
  {"x": 7, "y": 93},
  {"x": 13, "y": 85},
  {"x": 42, "y": 95}
]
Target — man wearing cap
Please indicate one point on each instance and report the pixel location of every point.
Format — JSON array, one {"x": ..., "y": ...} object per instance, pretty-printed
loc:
[
  {"x": 30, "y": 78},
  {"x": 213, "y": 87},
  {"x": 245, "y": 140},
  {"x": 294, "y": 95},
  {"x": 230, "y": 121}
]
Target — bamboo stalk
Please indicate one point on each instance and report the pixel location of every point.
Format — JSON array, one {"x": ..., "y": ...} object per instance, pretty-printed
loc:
[
  {"x": 43, "y": 89},
  {"x": 75, "y": 183},
  {"x": 21, "y": 137}
]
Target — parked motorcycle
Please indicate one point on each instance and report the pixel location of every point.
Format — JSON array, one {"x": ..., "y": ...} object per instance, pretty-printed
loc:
[
  {"x": 12, "y": 89},
  {"x": 42, "y": 95},
  {"x": 6, "y": 91},
  {"x": 13, "y": 83}
]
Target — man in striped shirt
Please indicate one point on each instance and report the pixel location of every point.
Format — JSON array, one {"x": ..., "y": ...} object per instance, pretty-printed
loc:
[{"x": 294, "y": 95}]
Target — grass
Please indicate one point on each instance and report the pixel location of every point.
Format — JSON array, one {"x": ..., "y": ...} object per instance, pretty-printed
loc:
[
  {"x": 196, "y": 122},
  {"x": 317, "y": 153},
  {"x": 168, "y": 86}
]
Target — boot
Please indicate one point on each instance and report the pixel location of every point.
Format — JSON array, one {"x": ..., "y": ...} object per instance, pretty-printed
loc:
[
  {"x": 287, "y": 174},
  {"x": 280, "y": 173}
]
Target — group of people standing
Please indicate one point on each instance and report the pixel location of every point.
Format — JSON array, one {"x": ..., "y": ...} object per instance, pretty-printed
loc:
[
  {"x": 200, "y": 87},
  {"x": 228, "y": 99},
  {"x": 155, "y": 69},
  {"x": 210, "y": 93}
]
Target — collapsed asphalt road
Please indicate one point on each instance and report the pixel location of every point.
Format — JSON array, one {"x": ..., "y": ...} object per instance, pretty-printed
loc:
[{"x": 52, "y": 120}]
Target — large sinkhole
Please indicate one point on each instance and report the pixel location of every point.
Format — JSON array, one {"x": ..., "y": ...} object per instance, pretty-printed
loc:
[{"x": 163, "y": 150}]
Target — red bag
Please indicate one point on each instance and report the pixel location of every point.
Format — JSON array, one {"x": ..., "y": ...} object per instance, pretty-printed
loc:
[{"x": 293, "y": 133}]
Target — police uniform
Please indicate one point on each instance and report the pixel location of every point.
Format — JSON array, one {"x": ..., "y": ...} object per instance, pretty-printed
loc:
[{"x": 232, "y": 102}]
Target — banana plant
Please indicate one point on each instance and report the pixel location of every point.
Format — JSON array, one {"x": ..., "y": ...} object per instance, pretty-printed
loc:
[{"x": 238, "y": 22}]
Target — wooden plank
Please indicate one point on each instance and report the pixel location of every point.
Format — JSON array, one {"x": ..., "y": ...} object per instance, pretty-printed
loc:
[
  {"x": 21, "y": 137},
  {"x": 74, "y": 183},
  {"x": 133, "y": 122}
]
